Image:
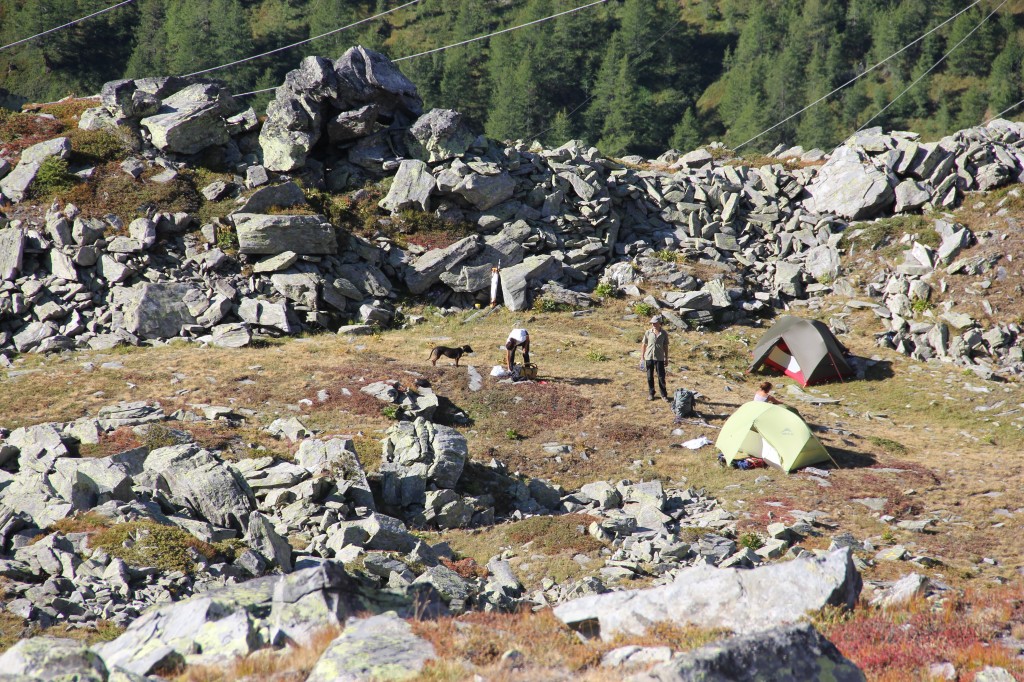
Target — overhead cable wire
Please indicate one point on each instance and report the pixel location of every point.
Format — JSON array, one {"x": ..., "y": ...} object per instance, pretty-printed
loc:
[
  {"x": 301, "y": 42},
  {"x": 1000, "y": 114},
  {"x": 463, "y": 42},
  {"x": 504, "y": 30},
  {"x": 630, "y": 61},
  {"x": 932, "y": 67},
  {"x": 857, "y": 77},
  {"x": 67, "y": 25}
]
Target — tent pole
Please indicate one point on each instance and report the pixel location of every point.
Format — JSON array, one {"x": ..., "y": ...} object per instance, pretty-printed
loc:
[{"x": 836, "y": 368}]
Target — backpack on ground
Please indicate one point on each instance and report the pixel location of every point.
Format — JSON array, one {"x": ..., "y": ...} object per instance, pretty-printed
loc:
[{"x": 683, "y": 403}]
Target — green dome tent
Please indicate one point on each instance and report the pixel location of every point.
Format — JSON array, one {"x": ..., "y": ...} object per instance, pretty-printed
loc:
[{"x": 773, "y": 433}]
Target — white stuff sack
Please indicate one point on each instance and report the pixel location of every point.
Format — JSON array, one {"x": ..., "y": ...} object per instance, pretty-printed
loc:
[{"x": 499, "y": 371}]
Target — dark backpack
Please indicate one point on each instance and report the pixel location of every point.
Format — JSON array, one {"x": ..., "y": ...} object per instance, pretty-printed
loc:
[{"x": 683, "y": 403}]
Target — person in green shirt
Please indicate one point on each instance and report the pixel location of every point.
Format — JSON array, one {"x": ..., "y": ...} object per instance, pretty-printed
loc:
[{"x": 654, "y": 352}]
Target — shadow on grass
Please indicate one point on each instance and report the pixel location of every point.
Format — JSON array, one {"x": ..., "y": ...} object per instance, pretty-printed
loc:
[
  {"x": 880, "y": 371},
  {"x": 579, "y": 381},
  {"x": 851, "y": 459}
]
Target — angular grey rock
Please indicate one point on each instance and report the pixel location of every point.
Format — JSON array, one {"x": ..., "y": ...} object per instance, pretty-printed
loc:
[
  {"x": 157, "y": 311},
  {"x": 426, "y": 450},
  {"x": 261, "y": 536},
  {"x": 911, "y": 195},
  {"x": 12, "y": 249},
  {"x": 516, "y": 280},
  {"x": 266, "y": 314},
  {"x": 15, "y": 186},
  {"x": 34, "y": 334},
  {"x": 232, "y": 335},
  {"x": 59, "y": 147},
  {"x": 380, "y": 647},
  {"x": 350, "y": 125},
  {"x": 273, "y": 234},
  {"x": 212, "y": 488},
  {"x": 426, "y": 270},
  {"x": 297, "y": 604},
  {"x": 744, "y": 601},
  {"x": 439, "y": 135},
  {"x": 281, "y": 261},
  {"x": 188, "y": 131},
  {"x": 792, "y": 652},
  {"x": 49, "y": 659},
  {"x": 39, "y": 447},
  {"x": 369, "y": 77},
  {"x": 822, "y": 263},
  {"x": 486, "y": 191},
  {"x": 411, "y": 187},
  {"x": 849, "y": 186},
  {"x": 285, "y": 195}
]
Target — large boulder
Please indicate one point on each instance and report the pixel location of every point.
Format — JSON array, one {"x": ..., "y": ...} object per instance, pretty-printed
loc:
[
  {"x": 369, "y": 77},
  {"x": 411, "y": 188},
  {"x": 849, "y": 186},
  {"x": 486, "y": 191},
  {"x": 306, "y": 235},
  {"x": 235, "y": 620},
  {"x": 191, "y": 119},
  {"x": 420, "y": 454},
  {"x": 295, "y": 117},
  {"x": 439, "y": 135},
  {"x": 49, "y": 659},
  {"x": 426, "y": 270},
  {"x": 12, "y": 250},
  {"x": 380, "y": 648},
  {"x": 157, "y": 311},
  {"x": 211, "y": 488},
  {"x": 744, "y": 601},
  {"x": 517, "y": 280},
  {"x": 792, "y": 652}
]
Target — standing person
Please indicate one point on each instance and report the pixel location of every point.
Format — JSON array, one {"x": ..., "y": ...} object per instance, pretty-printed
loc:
[
  {"x": 518, "y": 338},
  {"x": 654, "y": 352},
  {"x": 763, "y": 394}
]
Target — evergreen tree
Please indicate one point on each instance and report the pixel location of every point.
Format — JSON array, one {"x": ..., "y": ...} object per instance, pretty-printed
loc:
[
  {"x": 514, "y": 103},
  {"x": 817, "y": 125},
  {"x": 973, "y": 104},
  {"x": 148, "y": 58},
  {"x": 561, "y": 129},
  {"x": 973, "y": 56},
  {"x": 1004, "y": 81},
  {"x": 687, "y": 135}
]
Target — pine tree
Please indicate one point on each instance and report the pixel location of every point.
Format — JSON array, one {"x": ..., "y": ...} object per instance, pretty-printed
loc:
[
  {"x": 561, "y": 130},
  {"x": 973, "y": 56},
  {"x": 687, "y": 135},
  {"x": 1004, "y": 81}
]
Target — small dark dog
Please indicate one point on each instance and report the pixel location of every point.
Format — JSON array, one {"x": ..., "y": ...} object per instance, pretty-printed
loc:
[{"x": 446, "y": 352}]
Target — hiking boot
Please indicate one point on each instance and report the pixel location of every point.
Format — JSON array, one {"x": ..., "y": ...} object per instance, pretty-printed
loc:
[{"x": 650, "y": 397}]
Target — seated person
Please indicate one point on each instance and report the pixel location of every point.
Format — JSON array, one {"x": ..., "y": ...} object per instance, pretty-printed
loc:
[
  {"x": 763, "y": 394},
  {"x": 518, "y": 338}
]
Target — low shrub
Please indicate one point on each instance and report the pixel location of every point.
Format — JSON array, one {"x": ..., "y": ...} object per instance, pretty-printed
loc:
[
  {"x": 644, "y": 309},
  {"x": 147, "y": 543},
  {"x": 97, "y": 146},
  {"x": 53, "y": 177},
  {"x": 605, "y": 290}
]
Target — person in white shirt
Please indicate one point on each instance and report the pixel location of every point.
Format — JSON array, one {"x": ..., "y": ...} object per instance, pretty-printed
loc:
[
  {"x": 518, "y": 338},
  {"x": 763, "y": 394}
]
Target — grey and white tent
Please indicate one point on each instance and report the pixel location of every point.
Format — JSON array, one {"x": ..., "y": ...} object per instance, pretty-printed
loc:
[{"x": 805, "y": 350}]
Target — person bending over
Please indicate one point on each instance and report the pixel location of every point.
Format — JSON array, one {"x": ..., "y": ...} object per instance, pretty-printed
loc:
[{"x": 518, "y": 338}]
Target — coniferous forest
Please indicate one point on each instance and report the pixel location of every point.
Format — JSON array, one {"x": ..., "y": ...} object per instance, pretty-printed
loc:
[{"x": 630, "y": 76}]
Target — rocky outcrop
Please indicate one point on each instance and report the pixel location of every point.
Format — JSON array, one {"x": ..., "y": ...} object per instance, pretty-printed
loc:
[
  {"x": 741, "y": 601},
  {"x": 794, "y": 652}
]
